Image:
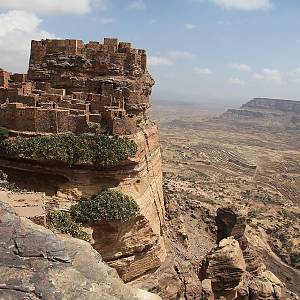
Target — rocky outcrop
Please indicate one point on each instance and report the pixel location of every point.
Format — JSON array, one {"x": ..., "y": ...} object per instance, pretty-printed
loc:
[
  {"x": 225, "y": 266},
  {"x": 233, "y": 267},
  {"x": 37, "y": 264},
  {"x": 103, "y": 88}
]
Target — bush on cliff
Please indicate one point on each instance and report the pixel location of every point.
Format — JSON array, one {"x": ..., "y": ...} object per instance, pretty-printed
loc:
[
  {"x": 108, "y": 205},
  {"x": 63, "y": 222},
  {"x": 70, "y": 148},
  {"x": 3, "y": 134}
]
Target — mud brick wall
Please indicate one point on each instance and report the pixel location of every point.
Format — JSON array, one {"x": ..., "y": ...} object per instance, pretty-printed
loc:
[
  {"x": 19, "y": 77},
  {"x": 4, "y": 78},
  {"x": 46, "y": 121},
  {"x": 124, "y": 126},
  {"x": 51, "y": 98}
]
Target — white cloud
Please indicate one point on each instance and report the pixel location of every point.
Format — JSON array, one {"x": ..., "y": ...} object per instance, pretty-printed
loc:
[
  {"x": 159, "y": 61},
  {"x": 241, "y": 67},
  {"x": 106, "y": 20},
  {"x": 53, "y": 6},
  {"x": 175, "y": 54},
  {"x": 269, "y": 74},
  {"x": 297, "y": 71},
  {"x": 137, "y": 4},
  {"x": 17, "y": 29},
  {"x": 190, "y": 26},
  {"x": 203, "y": 71},
  {"x": 245, "y": 4},
  {"x": 236, "y": 81}
]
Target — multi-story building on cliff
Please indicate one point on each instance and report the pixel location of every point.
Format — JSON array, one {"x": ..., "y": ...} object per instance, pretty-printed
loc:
[
  {"x": 97, "y": 91},
  {"x": 77, "y": 87}
]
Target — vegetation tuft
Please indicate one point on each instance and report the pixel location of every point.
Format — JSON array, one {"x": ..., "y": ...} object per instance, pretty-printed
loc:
[
  {"x": 108, "y": 205},
  {"x": 63, "y": 222},
  {"x": 70, "y": 148}
]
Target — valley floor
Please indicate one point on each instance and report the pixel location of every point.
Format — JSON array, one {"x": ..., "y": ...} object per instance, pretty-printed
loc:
[{"x": 210, "y": 163}]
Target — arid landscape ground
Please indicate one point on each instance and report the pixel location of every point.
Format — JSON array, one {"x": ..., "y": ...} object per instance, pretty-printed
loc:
[{"x": 211, "y": 162}]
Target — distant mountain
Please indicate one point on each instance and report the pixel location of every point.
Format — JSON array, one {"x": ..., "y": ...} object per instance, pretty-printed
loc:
[{"x": 266, "y": 113}]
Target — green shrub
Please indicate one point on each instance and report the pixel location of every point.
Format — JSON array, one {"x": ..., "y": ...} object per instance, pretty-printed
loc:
[
  {"x": 108, "y": 205},
  {"x": 70, "y": 148},
  {"x": 3, "y": 134},
  {"x": 63, "y": 222}
]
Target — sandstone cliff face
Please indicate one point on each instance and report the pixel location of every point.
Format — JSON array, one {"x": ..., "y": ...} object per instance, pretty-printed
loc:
[
  {"x": 133, "y": 247},
  {"x": 37, "y": 264},
  {"x": 92, "y": 88},
  {"x": 137, "y": 246}
]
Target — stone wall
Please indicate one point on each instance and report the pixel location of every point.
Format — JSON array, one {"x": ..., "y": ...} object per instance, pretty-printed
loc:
[{"x": 18, "y": 117}]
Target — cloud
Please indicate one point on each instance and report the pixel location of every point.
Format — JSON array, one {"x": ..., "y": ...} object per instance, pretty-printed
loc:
[
  {"x": 190, "y": 26},
  {"x": 78, "y": 7},
  {"x": 269, "y": 74},
  {"x": 241, "y": 67},
  {"x": 202, "y": 71},
  {"x": 137, "y": 4},
  {"x": 236, "y": 81},
  {"x": 106, "y": 20},
  {"x": 159, "y": 61},
  {"x": 245, "y": 4},
  {"x": 17, "y": 29},
  {"x": 175, "y": 54},
  {"x": 297, "y": 71}
]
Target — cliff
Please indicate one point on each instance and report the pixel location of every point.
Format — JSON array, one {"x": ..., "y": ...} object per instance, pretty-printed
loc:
[
  {"x": 265, "y": 113},
  {"x": 92, "y": 98}
]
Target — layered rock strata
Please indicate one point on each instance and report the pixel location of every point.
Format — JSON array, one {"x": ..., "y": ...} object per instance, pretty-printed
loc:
[
  {"x": 264, "y": 113},
  {"x": 94, "y": 88},
  {"x": 37, "y": 264}
]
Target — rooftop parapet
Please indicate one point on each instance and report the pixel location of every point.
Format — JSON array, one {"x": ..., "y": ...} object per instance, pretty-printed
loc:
[{"x": 110, "y": 46}]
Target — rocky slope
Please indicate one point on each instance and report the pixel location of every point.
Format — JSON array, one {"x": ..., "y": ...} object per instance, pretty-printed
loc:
[{"x": 37, "y": 264}]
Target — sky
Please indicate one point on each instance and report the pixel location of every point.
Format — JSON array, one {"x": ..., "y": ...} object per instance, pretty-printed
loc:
[{"x": 198, "y": 50}]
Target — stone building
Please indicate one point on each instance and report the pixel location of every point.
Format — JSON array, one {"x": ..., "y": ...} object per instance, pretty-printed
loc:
[{"x": 77, "y": 87}]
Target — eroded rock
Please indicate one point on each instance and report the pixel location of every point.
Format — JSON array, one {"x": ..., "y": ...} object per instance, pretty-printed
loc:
[{"x": 37, "y": 264}]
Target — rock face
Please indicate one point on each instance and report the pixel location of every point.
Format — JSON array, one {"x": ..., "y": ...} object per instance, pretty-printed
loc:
[
  {"x": 87, "y": 89},
  {"x": 226, "y": 266},
  {"x": 273, "y": 104},
  {"x": 235, "y": 270},
  {"x": 266, "y": 113},
  {"x": 37, "y": 264}
]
